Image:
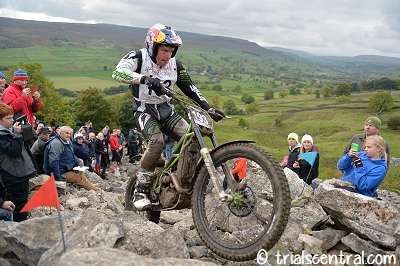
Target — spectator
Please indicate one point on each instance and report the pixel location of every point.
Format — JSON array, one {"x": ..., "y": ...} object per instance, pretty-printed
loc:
[
  {"x": 115, "y": 148},
  {"x": 37, "y": 148},
  {"x": 3, "y": 84},
  {"x": 372, "y": 126},
  {"x": 365, "y": 169},
  {"x": 59, "y": 160},
  {"x": 106, "y": 134},
  {"x": 16, "y": 162},
  {"x": 301, "y": 167},
  {"x": 89, "y": 127},
  {"x": 133, "y": 142},
  {"x": 20, "y": 99},
  {"x": 91, "y": 145},
  {"x": 55, "y": 130},
  {"x": 294, "y": 148},
  {"x": 121, "y": 142},
  {"x": 285, "y": 161},
  {"x": 140, "y": 148},
  {"x": 6, "y": 210},
  {"x": 38, "y": 127},
  {"x": 102, "y": 159},
  {"x": 239, "y": 171},
  {"x": 169, "y": 144},
  {"x": 81, "y": 150}
]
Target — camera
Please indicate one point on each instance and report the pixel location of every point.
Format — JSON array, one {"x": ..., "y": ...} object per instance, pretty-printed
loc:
[
  {"x": 23, "y": 120},
  {"x": 27, "y": 131}
]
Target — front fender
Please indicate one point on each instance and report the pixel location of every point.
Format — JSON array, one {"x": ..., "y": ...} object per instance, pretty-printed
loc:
[{"x": 201, "y": 161}]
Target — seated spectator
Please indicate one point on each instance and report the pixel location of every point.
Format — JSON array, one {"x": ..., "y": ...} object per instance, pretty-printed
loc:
[
  {"x": 16, "y": 165},
  {"x": 6, "y": 210},
  {"x": 301, "y": 167},
  {"x": 37, "y": 148},
  {"x": 285, "y": 161},
  {"x": 81, "y": 150},
  {"x": 365, "y": 169},
  {"x": 294, "y": 148},
  {"x": 59, "y": 160},
  {"x": 372, "y": 126}
]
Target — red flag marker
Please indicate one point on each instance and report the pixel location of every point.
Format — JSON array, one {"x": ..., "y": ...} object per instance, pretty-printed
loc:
[{"x": 45, "y": 196}]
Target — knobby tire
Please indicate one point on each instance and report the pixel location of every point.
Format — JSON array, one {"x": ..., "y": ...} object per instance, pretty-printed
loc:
[{"x": 237, "y": 231}]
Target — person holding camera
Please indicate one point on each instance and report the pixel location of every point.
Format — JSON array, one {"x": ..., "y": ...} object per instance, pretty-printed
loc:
[
  {"x": 365, "y": 169},
  {"x": 372, "y": 125},
  {"x": 20, "y": 99},
  {"x": 16, "y": 162}
]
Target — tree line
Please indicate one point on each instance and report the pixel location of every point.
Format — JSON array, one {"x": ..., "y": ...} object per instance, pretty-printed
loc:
[{"x": 95, "y": 104}]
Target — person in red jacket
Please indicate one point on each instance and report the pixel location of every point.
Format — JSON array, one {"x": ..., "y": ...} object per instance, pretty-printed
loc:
[
  {"x": 238, "y": 171},
  {"x": 20, "y": 99},
  {"x": 115, "y": 147}
]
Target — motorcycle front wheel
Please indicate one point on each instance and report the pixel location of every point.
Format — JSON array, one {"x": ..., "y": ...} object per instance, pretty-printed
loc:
[{"x": 257, "y": 216}]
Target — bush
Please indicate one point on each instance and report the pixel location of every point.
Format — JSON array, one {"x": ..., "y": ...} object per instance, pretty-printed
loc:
[
  {"x": 394, "y": 123},
  {"x": 243, "y": 123},
  {"x": 342, "y": 99}
]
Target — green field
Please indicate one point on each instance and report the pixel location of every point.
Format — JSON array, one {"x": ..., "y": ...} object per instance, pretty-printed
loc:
[
  {"x": 331, "y": 125},
  {"x": 331, "y": 128}
]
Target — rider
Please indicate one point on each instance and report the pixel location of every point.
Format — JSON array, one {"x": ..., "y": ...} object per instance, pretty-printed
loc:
[{"x": 149, "y": 69}]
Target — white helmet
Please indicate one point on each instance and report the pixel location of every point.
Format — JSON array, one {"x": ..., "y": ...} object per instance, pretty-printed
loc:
[{"x": 78, "y": 135}]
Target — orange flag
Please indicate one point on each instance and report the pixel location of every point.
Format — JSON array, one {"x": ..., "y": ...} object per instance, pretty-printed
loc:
[{"x": 45, "y": 196}]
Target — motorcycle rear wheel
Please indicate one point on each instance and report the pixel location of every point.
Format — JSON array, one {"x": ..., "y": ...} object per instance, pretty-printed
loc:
[{"x": 256, "y": 220}]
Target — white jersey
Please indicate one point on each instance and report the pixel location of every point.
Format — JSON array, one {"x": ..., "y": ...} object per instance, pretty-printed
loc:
[{"x": 127, "y": 71}]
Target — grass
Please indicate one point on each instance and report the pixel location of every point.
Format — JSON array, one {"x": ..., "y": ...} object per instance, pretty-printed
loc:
[
  {"x": 331, "y": 129},
  {"x": 331, "y": 125}
]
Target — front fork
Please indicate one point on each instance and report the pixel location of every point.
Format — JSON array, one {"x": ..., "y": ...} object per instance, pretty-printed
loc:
[{"x": 223, "y": 196}]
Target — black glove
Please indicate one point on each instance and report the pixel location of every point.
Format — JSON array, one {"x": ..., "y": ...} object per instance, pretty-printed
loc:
[
  {"x": 153, "y": 84},
  {"x": 357, "y": 162},
  {"x": 216, "y": 115}
]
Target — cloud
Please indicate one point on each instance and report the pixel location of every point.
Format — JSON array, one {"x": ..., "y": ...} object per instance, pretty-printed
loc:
[{"x": 337, "y": 27}]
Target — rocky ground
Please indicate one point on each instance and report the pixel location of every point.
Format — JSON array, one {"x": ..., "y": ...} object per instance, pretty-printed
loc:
[{"x": 99, "y": 232}]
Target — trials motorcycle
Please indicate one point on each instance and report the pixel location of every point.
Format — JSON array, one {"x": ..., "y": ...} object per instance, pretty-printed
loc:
[{"x": 237, "y": 222}]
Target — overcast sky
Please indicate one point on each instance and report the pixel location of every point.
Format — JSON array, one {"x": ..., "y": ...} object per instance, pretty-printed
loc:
[{"x": 333, "y": 27}]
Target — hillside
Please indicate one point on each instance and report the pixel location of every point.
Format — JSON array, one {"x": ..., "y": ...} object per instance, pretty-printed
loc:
[
  {"x": 16, "y": 33},
  {"x": 24, "y": 33}
]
